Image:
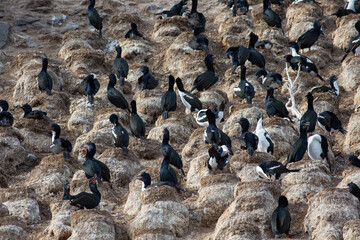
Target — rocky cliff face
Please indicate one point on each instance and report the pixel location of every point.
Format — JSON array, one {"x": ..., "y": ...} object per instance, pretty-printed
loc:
[{"x": 230, "y": 204}]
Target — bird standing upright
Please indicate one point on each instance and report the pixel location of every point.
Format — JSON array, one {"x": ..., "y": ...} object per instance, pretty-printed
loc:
[
  {"x": 90, "y": 86},
  {"x": 137, "y": 127},
  {"x": 206, "y": 79},
  {"x": 310, "y": 115},
  {"x": 174, "y": 158},
  {"x": 190, "y": 101},
  {"x": 248, "y": 140},
  {"x": 94, "y": 17},
  {"x": 244, "y": 90},
  {"x": 281, "y": 219},
  {"x": 311, "y": 36},
  {"x": 195, "y": 18},
  {"x": 271, "y": 17},
  {"x": 119, "y": 134},
  {"x": 6, "y": 118},
  {"x": 298, "y": 149},
  {"x": 45, "y": 81},
  {"x": 265, "y": 144},
  {"x": 168, "y": 100},
  {"x": 120, "y": 66},
  {"x": 59, "y": 144},
  {"x": 115, "y": 96}
]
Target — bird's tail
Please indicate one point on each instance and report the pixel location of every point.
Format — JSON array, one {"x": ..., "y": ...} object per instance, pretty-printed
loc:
[
  {"x": 193, "y": 88},
  {"x": 46, "y": 118},
  {"x": 122, "y": 78},
  {"x": 205, "y": 48},
  {"x": 342, "y": 130},
  {"x": 165, "y": 115},
  {"x": 248, "y": 99},
  {"x": 100, "y": 34},
  {"x": 250, "y": 150},
  {"x": 344, "y": 57},
  {"x": 125, "y": 150},
  {"x": 182, "y": 171},
  {"x": 48, "y": 92},
  {"x": 142, "y": 138},
  {"x": 91, "y": 99},
  {"x": 318, "y": 75},
  {"x": 294, "y": 170},
  {"x": 67, "y": 155},
  {"x": 99, "y": 179},
  {"x": 233, "y": 68}
]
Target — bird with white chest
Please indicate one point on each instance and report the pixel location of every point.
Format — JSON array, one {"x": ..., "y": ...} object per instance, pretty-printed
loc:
[{"x": 265, "y": 143}]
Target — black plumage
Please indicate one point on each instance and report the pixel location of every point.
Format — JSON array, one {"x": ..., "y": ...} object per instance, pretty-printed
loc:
[
  {"x": 167, "y": 173},
  {"x": 83, "y": 200},
  {"x": 269, "y": 79},
  {"x": 298, "y": 149},
  {"x": 255, "y": 57},
  {"x": 330, "y": 122},
  {"x": 147, "y": 81},
  {"x": 174, "y": 11},
  {"x": 245, "y": 90},
  {"x": 119, "y": 134},
  {"x": 137, "y": 127},
  {"x": 45, "y": 81},
  {"x": 238, "y": 55},
  {"x": 90, "y": 86},
  {"x": 115, "y": 96},
  {"x": 146, "y": 179},
  {"x": 275, "y": 107},
  {"x": 309, "y": 38},
  {"x": 168, "y": 100},
  {"x": 35, "y": 114},
  {"x": 310, "y": 115},
  {"x": 206, "y": 79},
  {"x": 59, "y": 144},
  {"x": 273, "y": 170},
  {"x": 236, "y": 5},
  {"x": 94, "y": 17},
  {"x": 353, "y": 160},
  {"x": 93, "y": 167},
  {"x": 270, "y": 17},
  {"x": 174, "y": 158},
  {"x": 354, "y": 44},
  {"x": 354, "y": 190},
  {"x": 278, "y": 2},
  {"x": 334, "y": 87},
  {"x": 189, "y": 100},
  {"x": 199, "y": 42},
  {"x": 248, "y": 140},
  {"x": 281, "y": 219},
  {"x": 212, "y": 135},
  {"x": 195, "y": 18},
  {"x": 120, "y": 66},
  {"x": 342, "y": 12},
  {"x": 133, "y": 32},
  {"x": 218, "y": 158},
  {"x": 6, "y": 118}
]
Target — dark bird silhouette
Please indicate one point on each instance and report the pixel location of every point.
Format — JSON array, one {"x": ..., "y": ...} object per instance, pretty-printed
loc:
[
  {"x": 330, "y": 122},
  {"x": 93, "y": 167},
  {"x": 90, "y": 86},
  {"x": 354, "y": 190},
  {"x": 133, "y": 32},
  {"x": 275, "y": 107},
  {"x": 218, "y": 158},
  {"x": 6, "y": 118},
  {"x": 273, "y": 170},
  {"x": 137, "y": 127},
  {"x": 212, "y": 135},
  {"x": 120, "y": 66},
  {"x": 168, "y": 100},
  {"x": 271, "y": 17},
  {"x": 334, "y": 87},
  {"x": 114, "y": 96},
  {"x": 195, "y": 18},
  {"x": 145, "y": 178},
  {"x": 45, "y": 81},
  {"x": 255, "y": 57},
  {"x": 236, "y": 5},
  {"x": 310, "y": 115},
  {"x": 59, "y": 144},
  {"x": 174, "y": 11},
  {"x": 238, "y": 55},
  {"x": 269, "y": 79},
  {"x": 199, "y": 42},
  {"x": 248, "y": 140},
  {"x": 147, "y": 81},
  {"x": 281, "y": 219},
  {"x": 167, "y": 173},
  {"x": 306, "y": 64},
  {"x": 201, "y": 117},
  {"x": 353, "y": 160},
  {"x": 309, "y": 38},
  {"x": 174, "y": 158},
  {"x": 190, "y": 101},
  {"x": 245, "y": 90},
  {"x": 36, "y": 114},
  {"x": 94, "y": 17},
  {"x": 278, "y": 2},
  {"x": 83, "y": 200},
  {"x": 354, "y": 44},
  {"x": 206, "y": 79},
  {"x": 298, "y": 149},
  {"x": 342, "y": 12},
  {"x": 119, "y": 134}
]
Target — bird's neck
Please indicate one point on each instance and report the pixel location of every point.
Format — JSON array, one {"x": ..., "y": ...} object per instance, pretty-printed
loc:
[
  {"x": 92, "y": 4},
  {"x": 294, "y": 52},
  {"x": 90, "y": 154},
  {"x": 94, "y": 189},
  {"x": 265, "y": 4},
  {"x": 210, "y": 66},
  {"x": 310, "y": 105},
  {"x": 194, "y": 6},
  {"x": 166, "y": 139},
  {"x": 44, "y": 66},
  {"x": 55, "y": 136},
  {"x": 118, "y": 55},
  {"x": 259, "y": 125}
]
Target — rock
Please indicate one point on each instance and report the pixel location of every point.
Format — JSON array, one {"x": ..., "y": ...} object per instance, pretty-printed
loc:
[
  {"x": 344, "y": 32},
  {"x": 214, "y": 98},
  {"x": 123, "y": 167},
  {"x": 4, "y": 32},
  {"x": 49, "y": 176},
  {"x": 4, "y": 211},
  {"x": 69, "y": 26},
  {"x": 195, "y": 147},
  {"x": 58, "y": 101},
  {"x": 133, "y": 202},
  {"x": 215, "y": 195},
  {"x": 120, "y": 24},
  {"x": 252, "y": 208},
  {"x": 168, "y": 29},
  {"x": 351, "y": 230},
  {"x": 352, "y": 140},
  {"x": 137, "y": 50},
  {"x": 197, "y": 170},
  {"x": 328, "y": 211},
  {"x": 82, "y": 117},
  {"x": 299, "y": 13},
  {"x": 148, "y": 102},
  {"x": 161, "y": 213},
  {"x": 56, "y": 20},
  {"x": 12, "y": 228},
  {"x": 148, "y": 150},
  {"x": 92, "y": 224},
  {"x": 349, "y": 77}
]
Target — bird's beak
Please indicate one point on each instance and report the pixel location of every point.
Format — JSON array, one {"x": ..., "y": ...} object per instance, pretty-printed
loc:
[
  {"x": 139, "y": 178},
  {"x": 347, "y": 189}
]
